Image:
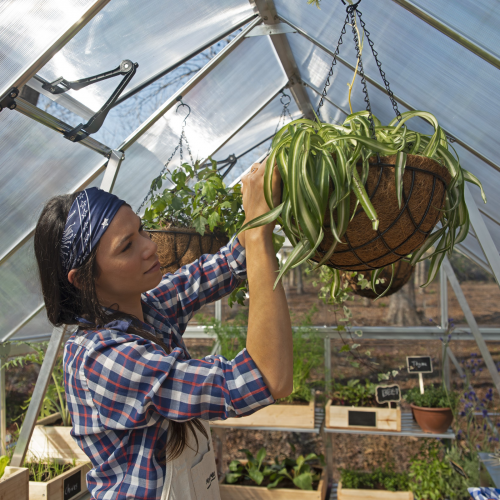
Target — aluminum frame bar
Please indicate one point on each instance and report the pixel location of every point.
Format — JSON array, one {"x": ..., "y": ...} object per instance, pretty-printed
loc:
[
  {"x": 370, "y": 80},
  {"x": 483, "y": 235},
  {"x": 477, "y": 260},
  {"x": 54, "y": 123},
  {"x": 42, "y": 382},
  {"x": 4, "y": 353},
  {"x": 112, "y": 169},
  {"x": 483, "y": 348},
  {"x": 443, "y": 299},
  {"x": 453, "y": 33},
  {"x": 24, "y": 75},
  {"x": 269, "y": 15}
]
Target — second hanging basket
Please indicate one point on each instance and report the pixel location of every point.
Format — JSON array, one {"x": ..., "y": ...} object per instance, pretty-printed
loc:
[
  {"x": 402, "y": 274},
  {"x": 178, "y": 246},
  {"x": 401, "y": 230}
]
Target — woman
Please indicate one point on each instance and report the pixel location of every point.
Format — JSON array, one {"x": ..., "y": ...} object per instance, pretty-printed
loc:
[{"x": 138, "y": 402}]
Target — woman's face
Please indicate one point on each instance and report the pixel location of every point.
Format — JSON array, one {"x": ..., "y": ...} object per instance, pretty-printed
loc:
[{"x": 127, "y": 260}]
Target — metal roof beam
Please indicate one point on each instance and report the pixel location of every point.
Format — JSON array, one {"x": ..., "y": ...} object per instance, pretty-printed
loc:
[
  {"x": 453, "y": 33},
  {"x": 466, "y": 146},
  {"x": 267, "y": 11}
]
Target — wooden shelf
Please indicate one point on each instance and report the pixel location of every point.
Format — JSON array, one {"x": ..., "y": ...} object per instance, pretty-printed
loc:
[
  {"x": 408, "y": 428},
  {"x": 319, "y": 416}
]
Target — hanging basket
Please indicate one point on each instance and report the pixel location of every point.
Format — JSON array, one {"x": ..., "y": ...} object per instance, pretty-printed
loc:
[
  {"x": 401, "y": 230},
  {"x": 402, "y": 274},
  {"x": 178, "y": 246}
]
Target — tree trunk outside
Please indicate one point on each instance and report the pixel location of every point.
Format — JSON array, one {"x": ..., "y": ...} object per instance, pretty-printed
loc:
[{"x": 403, "y": 307}]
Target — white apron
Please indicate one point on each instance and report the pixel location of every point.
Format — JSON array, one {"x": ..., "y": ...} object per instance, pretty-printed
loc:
[{"x": 193, "y": 476}]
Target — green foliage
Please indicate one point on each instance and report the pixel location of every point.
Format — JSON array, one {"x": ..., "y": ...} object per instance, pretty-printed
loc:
[
  {"x": 299, "y": 470},
  {"x": 55, "y": 397},
  {"x": 430, "y": 476},
  {"x": 435, "y": 396},
  {"x": 46, "y": 469},
  {"x": 354, "y": 393},
  {"x": 196, "y": 197},
  {"x": 380, "y": 478},
  {"x": 470, "y": 463},
  {"x": 307, "y": 348},
  {"x": 312, "y": 155},
  {"x": 4, "y": 461}
]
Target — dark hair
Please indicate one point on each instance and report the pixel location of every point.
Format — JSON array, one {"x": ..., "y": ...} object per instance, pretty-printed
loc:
[{"x": 64, "y": 302}]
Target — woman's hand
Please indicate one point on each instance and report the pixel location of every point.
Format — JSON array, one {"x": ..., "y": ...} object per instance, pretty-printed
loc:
[{"x": 254, "y": 202}]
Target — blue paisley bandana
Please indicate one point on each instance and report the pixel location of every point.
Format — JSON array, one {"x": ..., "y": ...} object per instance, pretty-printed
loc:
[{"x": 89, "y": 217}]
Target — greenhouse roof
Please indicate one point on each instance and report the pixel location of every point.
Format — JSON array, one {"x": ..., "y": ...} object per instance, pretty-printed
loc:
[{"x": 438, "y": 56}]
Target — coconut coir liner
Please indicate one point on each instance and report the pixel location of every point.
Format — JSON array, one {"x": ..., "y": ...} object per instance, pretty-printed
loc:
[
  {"x": 363, "y": 249},
  {"x": 402, "y": 274},
  {"x": 178, "y": 246}
]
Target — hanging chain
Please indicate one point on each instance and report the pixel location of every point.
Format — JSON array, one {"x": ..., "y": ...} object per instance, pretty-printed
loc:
[
  {"x": 334, "y": 62},
  {"x": 182, "y": 138},
  {"x": 285, "y": 111},
  {"x": 379, "y": 65},
  {"x": 351, "y": 11}
]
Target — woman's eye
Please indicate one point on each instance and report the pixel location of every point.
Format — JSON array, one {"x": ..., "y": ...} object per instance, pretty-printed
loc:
[{"x": 127, "y": 247}]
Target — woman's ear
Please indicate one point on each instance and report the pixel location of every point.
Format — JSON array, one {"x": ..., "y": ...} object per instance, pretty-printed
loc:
[{"x": 72, "y": 278}]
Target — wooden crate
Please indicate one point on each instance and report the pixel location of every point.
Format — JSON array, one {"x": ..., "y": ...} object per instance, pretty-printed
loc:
[
  {"x": 276, "y": 415},
  {"x": 68, "y": 486},
  {"x": 349, "y": 494},
  {"x": 53, "y": 441},
  {"x": 234, "y": 492},
  {"x": 353, "y": 417},
  {"x": 14, "y": 484}
]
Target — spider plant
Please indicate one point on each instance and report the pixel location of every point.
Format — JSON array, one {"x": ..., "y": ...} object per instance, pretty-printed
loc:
[{"x": 310, "y": 155}]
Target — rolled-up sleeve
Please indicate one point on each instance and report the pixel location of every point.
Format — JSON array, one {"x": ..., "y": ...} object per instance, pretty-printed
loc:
[
  {"x": 133, "y": 382},
  {"x": 179, "y": 295}
]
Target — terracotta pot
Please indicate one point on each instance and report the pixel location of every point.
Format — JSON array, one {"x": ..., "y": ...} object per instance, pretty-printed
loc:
[
  {"x": 402, "y": 229},
  {"x": 433, "y": 420}
]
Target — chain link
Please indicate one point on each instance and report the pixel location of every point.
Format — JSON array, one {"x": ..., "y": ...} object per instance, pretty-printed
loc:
[
  {"x": 165, "y": 167},
  {"x": 284, "y": 112}
]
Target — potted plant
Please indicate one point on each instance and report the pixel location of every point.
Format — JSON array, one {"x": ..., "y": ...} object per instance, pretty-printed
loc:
[
  {"x": 286, "y": 479},
  {"x": 13, "y": 481},
  {"x": 433, "y": 410},
  {"x": 382, "y": 484},
  {"x": 413, "y": 180},
  {"x": 298, "y": 409},
  {"x": 51, "y": 435},
  {"x": 196, "y": 214},
  {"x": 354, "y": 406},
  {"x": 57, "y": 478}
]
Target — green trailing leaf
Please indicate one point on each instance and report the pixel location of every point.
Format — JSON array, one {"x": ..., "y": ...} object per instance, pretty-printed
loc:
[
  {"x": 399, "y": 173},
  {"x": 4, "y": 461}
]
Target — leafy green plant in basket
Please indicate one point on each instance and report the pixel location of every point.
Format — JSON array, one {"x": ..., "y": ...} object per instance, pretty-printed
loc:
[
  {"x": 324, "y": 165},
  {"x": 299, "y": 472},
  {"x": 435, "y": 396},
  {"x": 196, "y": 197}
]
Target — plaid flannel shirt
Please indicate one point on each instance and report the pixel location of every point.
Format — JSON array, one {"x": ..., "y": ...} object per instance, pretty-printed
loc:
[{"x": 121, "y": 388}]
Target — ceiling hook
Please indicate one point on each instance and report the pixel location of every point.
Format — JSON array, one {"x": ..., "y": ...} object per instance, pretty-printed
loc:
[{"x": 179, "y": 99}]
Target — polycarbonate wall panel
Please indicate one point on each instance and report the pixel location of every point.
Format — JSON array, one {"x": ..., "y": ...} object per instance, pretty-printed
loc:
[
  {"x": 259, "y": 128},
  {"x": 35, "y": 164},
  {"x": 478, "y": 20},
  {"x": 156, "y": 34},
  {"x": 220, "y": 104},
  {"x": 20, "y": 291},
  {"x": 425, "y": 68},
  {"x": 29, "y": 28},
  {"x": 38, "y": 326}
]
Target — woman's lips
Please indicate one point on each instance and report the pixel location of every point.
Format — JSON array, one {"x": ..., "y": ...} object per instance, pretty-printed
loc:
[{"x": 154, "y": 268}]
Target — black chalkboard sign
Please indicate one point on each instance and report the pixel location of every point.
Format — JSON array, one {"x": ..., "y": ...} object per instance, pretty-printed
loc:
[
  {"x": 72, "y": 485},
  {"x": 387, "y": 394},
  {"x": 362, "y": 418},
  {"x": 419, "y": 364}
]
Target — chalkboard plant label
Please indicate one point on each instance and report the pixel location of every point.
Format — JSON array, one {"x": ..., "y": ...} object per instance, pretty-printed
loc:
[
  {"x": 419, "y": 364},
  {"x": 355, "y": 405},
  {"x": 69, "y": 485},
  {"x": 388, "y": 394}
]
